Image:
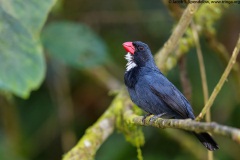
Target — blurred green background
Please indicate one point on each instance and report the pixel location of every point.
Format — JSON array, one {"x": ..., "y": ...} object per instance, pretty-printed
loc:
[{"x": 69, "y": 52}]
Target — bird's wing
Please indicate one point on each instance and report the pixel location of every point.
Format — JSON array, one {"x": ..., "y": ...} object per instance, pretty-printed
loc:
[{"x": 167, "y": 92}]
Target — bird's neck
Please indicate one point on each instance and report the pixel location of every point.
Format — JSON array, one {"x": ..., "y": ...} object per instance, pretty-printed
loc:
[{"x": 150, "y": 64}]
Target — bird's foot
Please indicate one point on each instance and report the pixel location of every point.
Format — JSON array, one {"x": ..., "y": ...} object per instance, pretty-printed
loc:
[
  {"x": 153, "y": 119},
  {"x": 145, "y": 116}
]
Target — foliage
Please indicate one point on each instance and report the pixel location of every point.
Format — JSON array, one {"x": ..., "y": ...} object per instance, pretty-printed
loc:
[
  {"x": 74, "y": 43},
  {"x": 22, "y": 66},
  {"x": 62, "y": 52}
]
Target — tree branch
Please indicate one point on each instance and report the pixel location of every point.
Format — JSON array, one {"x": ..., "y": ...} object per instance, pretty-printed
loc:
[
  {"x": 221, "y": 81},
  {"x": 187, "y": 124},
  {"x": 203, "y": 76},
  {"x": 184, "y": 78},
  {"x": 201, "y": 62},
  {"x": 95, "y": 135},
  {"x": 179, "y": 30},
  {"x": 92, "y": 139},
  {"x": 224, "y": 55}
]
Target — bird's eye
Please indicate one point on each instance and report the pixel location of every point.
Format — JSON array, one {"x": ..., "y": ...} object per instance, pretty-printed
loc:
[{"x": 141, "y": 48}]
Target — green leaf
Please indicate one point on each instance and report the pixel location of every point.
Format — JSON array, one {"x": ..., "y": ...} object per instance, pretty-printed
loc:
[
  {"x": 31, "y": 13},
  {"x": 75, "y": 44},
  {"x": 22, "y": 65}
]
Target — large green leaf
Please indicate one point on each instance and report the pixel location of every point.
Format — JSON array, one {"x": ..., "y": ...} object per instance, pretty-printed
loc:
[
  {"x": 21, "y": 60},
  {"x": 31, "y": 13},
  {"x": 22, "y": 65},
  {"x": 74, "y": 44}
]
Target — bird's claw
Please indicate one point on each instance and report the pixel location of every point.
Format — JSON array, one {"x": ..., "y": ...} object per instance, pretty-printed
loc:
[
  {"x": 153, "y": 119},
  {"x": 145, "y": 116}
]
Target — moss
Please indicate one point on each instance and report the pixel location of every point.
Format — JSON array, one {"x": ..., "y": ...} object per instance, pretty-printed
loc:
[
  {"x": 205, "y": 18},
  {"x": 131, "y": 132},
  {"x": 207, "y": 15}
]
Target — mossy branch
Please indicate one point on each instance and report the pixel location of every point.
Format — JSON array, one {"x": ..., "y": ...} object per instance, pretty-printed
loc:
[
  {"x": 173, "y": 40},
  {"x": 187, "y": 124},
  {"x": 95, "y": 135},
  {"x": 93, "y": 139}
]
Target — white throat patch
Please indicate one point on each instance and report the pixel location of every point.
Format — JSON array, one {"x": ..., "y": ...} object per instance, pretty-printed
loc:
[{"x": 131, "y": 64}]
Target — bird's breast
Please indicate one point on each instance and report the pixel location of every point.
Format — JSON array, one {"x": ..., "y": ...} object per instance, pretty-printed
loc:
[{"x": 131, "y": 77}]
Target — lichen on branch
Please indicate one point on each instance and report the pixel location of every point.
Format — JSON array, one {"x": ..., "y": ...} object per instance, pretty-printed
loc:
[{"x": 186, "y": 124}]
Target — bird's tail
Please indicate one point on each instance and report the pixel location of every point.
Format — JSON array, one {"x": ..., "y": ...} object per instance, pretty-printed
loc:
[{"x": 207, "y": 141}]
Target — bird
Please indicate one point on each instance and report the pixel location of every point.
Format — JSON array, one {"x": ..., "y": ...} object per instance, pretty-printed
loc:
[{"x": 150, "y": 90}]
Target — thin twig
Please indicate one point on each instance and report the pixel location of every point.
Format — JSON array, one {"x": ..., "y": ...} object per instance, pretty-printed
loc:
[
  {"x": 221, "y": 81},
  {"x": 203, "y": 76},
  {"x": 184, "y": 78},
  {"x": 221, "y": 51},
  {"x": 178, "y": 31},
  {"x": 201, "y": 62}
]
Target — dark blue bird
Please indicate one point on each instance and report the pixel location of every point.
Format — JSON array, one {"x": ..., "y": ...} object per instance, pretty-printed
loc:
[{"x": 153, "y": 92}]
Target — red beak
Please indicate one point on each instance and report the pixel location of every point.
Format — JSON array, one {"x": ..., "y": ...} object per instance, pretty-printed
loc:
[{"x": 128, "y": 46}]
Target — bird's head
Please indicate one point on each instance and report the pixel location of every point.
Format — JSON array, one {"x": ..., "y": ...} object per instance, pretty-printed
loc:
[{"x": 138, "y": 54}]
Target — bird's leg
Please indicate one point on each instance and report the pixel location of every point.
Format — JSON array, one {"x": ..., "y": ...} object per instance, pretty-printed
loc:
[
  {"x": 152, "y": 119},
  {"x": 145, "y": 116}
]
